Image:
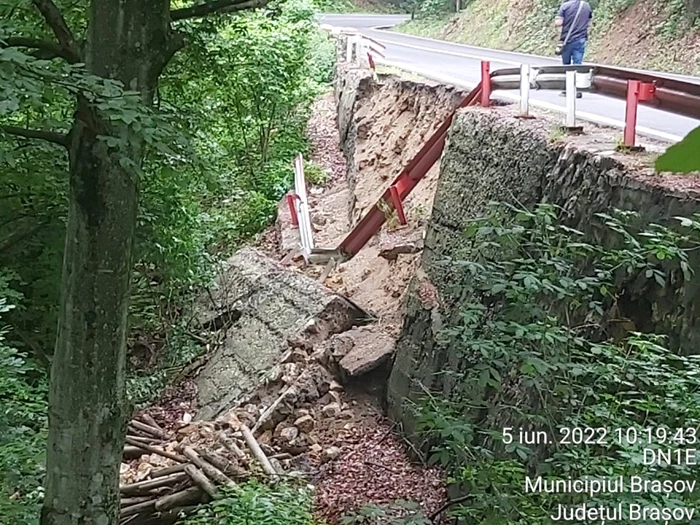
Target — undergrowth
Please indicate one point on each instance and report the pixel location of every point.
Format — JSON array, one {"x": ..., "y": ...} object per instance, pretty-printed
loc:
[
  {"x": 548, "y": 340},
  {"x": 255, "y": 503}
]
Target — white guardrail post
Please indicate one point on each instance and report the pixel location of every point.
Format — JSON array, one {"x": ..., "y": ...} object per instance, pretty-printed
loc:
[
  {"x": 302, "y": 206},
  {"x": 525, "y": 90},
  {"x": 570, "y": 122}
]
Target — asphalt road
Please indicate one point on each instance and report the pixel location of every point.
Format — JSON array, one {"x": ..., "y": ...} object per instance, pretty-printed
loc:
[{"x": 460, "y": 65}]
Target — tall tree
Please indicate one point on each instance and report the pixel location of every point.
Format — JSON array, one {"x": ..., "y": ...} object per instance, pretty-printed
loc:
[{"x": 129, "y": 41}]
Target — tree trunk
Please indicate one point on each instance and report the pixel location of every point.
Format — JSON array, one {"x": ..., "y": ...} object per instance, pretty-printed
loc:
[{"x": 130, "y": 41}]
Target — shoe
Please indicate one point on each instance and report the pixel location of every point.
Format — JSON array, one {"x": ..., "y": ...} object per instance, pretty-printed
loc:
[{"x": 578, "y": 94}]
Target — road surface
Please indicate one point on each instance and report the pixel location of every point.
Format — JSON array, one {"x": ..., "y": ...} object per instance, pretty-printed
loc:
[{"x": 460, "y": 65}]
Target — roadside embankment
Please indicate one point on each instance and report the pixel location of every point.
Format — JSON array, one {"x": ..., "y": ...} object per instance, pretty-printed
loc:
[{"x": 571, "y": 304}]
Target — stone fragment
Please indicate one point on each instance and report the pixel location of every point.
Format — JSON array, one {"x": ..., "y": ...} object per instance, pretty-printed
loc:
[
  {"x": 330, "y": 454},
  {"x": 265, "y": 438},
  {"x": 392, "y": 252},
  {"x": 371, "y": 350},
  {"x": 288, "y": 435},
  {"x": 298, "y": 356},
  {"x": 331, "y": 410},
  {"x": 305, "y": 424}
]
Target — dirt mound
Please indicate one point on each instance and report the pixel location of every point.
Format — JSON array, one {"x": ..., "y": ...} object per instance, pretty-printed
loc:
[{"x": 382, "y": 126}]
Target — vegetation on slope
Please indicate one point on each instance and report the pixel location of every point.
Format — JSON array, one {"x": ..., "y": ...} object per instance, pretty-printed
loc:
[
  {"x": 544, "y": 349},
  {"x": 649, "y": 34}
]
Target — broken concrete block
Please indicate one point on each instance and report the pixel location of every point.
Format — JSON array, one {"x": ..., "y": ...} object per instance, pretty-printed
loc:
[
  {"x": 276, "y": 304},
  {"x": 371, "y": 349}
]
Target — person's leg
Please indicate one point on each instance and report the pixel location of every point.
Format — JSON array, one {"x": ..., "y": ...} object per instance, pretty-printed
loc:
[{"x": 577, "y": 51}]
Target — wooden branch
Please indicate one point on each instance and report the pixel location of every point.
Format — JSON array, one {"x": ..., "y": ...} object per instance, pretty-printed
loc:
[
  {"x": 225, "y": 465},
  {"x": 180, "y": 467},
  {"x": 153, "y": 450},
  {"x": 147, "y": 485},
  {"x": 254, "y": 447},
  {"x": 202, "y": 481},
  {"x": 218, "y": 6},
  {"x": 137, "y": 509},
  {"x": 271, "y": 409},
  {"x": 209, "y": 470},
  {"x": 133, "y": 452},
  {"x": 42, "y": 48},
  {"x": 435, "y": 515},
  {"x": 156, "y": 432},
  {"x": 18, "y": 237},
  {"x": 128, "y": 502},
  {"x": 146, "y": 440},
  {"x": 189, "y": 496},
  {"x": 50, "y": 136},
  {"x": 150, "y": 421},
  {"x": 232, "y": 447},
  {"x": 54, "y": 19}
]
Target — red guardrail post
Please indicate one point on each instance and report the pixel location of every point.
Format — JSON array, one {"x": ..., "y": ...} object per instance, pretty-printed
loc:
[
  {"x": 291, "y": 197},
  {"x": 636, "y": 92},
  {"x": 631, "y": 113},
  {"x": 485, "y": 84}
]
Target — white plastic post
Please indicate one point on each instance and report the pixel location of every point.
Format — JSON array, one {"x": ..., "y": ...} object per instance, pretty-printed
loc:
[
  {"x": 359, "y": 50},
  {"x": 570, "y": 99},
  {"x": 348, "y": 48},
  {"x": 525, "y": 90}
]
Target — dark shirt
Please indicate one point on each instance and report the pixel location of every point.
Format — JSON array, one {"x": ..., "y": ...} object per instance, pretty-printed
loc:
[{"x": 567, "y": 12}]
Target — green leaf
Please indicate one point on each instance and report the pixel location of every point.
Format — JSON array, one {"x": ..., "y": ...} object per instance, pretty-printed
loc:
[{"x": 683, "y": 157}]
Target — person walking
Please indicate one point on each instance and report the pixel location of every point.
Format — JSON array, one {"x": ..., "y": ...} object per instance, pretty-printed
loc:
[{"x": 574, "y": 18}]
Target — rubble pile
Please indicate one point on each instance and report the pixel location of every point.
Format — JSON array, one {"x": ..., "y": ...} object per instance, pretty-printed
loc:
[{"x": 289, "y": 427}]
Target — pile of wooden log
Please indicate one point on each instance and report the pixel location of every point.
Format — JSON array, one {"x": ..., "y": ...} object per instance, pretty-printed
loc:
[{"x": 194, "y": 474}]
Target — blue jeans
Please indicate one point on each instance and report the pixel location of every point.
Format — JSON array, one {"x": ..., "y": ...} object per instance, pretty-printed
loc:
[{"x": 573, "y": 52}]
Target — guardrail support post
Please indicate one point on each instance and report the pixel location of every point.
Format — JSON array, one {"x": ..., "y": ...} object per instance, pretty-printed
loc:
[
  {"x": 398, "y": 205},
  {"x": 291, "y": 197},
  {"x": 525, "y": 91},
  {"x": 485, "y": 84},
  {"x": 629, "y": 136},
  {"x": 570, "y": 122},
  {"x": 636, "y": 92}
]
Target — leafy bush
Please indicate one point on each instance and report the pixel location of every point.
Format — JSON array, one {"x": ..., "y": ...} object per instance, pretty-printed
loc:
[
  {"x": 314, "y": 174},
  {"x": 544, "y": 344},
  {"x": 23, "y": 425},
  {"x": 254, "y": 503}
]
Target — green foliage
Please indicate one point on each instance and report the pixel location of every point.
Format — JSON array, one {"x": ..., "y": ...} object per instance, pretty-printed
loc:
[
  {"x": 23, "y": 388},
  {"x": 682, "y": 157},
  {"x": 229, "y": 116},
  {"x": 314, "y": 174},
  {"x": 254, "y": 503},
  {"x": 542, "y": 347}
]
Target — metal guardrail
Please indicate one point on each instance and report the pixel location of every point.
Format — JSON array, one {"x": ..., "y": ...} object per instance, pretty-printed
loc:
[
  {"x": 668, "y": 94},
  {"x": 298, "y": 203},
  {"x": 672, "y": 95}
]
